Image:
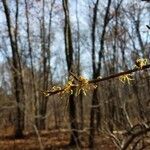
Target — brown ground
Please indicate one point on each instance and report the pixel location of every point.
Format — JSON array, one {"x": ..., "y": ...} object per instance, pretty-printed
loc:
[{"x": 51, "y": 140}]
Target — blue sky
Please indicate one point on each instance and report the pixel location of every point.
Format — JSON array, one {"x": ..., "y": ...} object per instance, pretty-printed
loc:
[{"x": 58, "y": 43}]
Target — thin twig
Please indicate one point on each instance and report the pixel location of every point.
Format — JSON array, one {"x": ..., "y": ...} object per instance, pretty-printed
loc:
[
  {"x": 39, "y": 138},
  {"x": 75, "y": 77},
  {"x": 133, "y": 136},
  {"x": 119, "y": 74},
  {"x": 52, "y": 92}
]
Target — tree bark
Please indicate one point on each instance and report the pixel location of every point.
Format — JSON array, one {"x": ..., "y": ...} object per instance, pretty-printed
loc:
[
  {"x": 74, "y": 140},
  {"x": 46, "y": 57},
  {"x": 95, "y": 114},
  {"x": 16, "y": 70},
  {"x": 79, "y": 68},
  {"x": 32, "y": 80}
]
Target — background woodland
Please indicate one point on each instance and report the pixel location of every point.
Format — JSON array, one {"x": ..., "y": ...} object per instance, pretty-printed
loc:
[{"x": 42, "y": 41}]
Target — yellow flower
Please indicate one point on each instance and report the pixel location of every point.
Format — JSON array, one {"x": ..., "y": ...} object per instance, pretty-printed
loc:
[
  {"x": 46, "y": 94},
  {"x": 56, "y": 88},
  {"x": 53, "y": 89},
  {"x": 141, "y": 62},
  {"x": 68, "y": 87},
  {"x": 126, "y": 78},
  {"x": 84, "y": 86}
]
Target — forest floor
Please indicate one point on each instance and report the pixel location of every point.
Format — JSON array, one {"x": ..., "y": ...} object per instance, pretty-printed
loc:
[{"x": 51, "y": 140}]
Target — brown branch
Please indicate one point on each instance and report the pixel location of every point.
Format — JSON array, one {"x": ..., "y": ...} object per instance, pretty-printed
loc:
[
  {"x": 133, "y": 136},
  {"x": 52, "y": 92},
  {"x": 120, "y": 74},
  {"x": 74, "y": 76},
  {"x": 148, "y": 27}
]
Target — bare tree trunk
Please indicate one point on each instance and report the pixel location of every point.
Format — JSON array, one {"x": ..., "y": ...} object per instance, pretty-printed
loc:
[
  {"x": 31, "y": 64},
  {"x": 16, "y": 70},
  {"x": 96, "y": 69},
  {"x": 79, "y": 68},
  {"x": 46, "y": 56},
  {"x": 94, "y": 97},
  {"x": 74, "y": 140},
  {"x": 93, "y": 118}
]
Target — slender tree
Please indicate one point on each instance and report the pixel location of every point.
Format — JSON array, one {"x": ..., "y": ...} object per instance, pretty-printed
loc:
[
  {"x": 30, "y": 49},
  {"x": 74, "y": 140},
  {"x": 94, "y": 98},
  {"x": 78, "y": 47},
  {"x": 95, "y": 112},
  {"x": 16, "y": 68},
  {"x": 46, "y": 59}
]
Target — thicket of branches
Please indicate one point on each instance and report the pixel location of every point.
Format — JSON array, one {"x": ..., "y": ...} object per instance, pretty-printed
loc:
[{"x": 81, "y": 65}]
